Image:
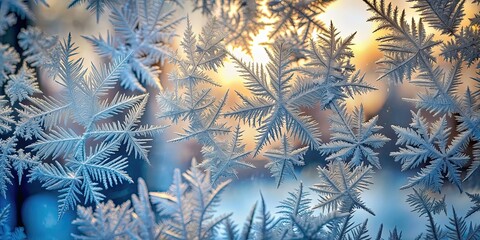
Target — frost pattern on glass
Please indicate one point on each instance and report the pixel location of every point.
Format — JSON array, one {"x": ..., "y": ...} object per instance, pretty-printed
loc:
[{"x": 79, "y": 142}]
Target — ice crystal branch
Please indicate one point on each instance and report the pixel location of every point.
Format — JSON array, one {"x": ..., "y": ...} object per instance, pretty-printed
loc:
[
  {"x": 5, "y": 231},
  {"x": 408, "y": 54},
  {"x": 283, "y": 160},
  {"x": 191, "y": 101},
  {"x": 242, "y": 20},
  {"x": 353, "y": 138},
  {"x": 424, "y": 145},
  {"x": 8, "y": 10},
  {"x": 143, "y": 29},
  {"x": 341, "y": 185},
  {"x": 90, "y": 165},
  {"x": 271, "y": 107}
]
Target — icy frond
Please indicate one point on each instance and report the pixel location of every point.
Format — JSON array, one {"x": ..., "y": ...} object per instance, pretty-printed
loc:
[
  {"x": 8, "y": 19},
  {"x": 469, "y": 118},
  {"x": 462, "y": 47},
  {"x": 295, "y": 14},
  {"x": 188, "y": 211},
  {"x": 206, "y": 6},
  {"x": 5, "y": 231},
  {"x": 202, "y": 53},
  {"x": 44, "y": 2},
  {"x": 443, "y": 15},
  {"x": 108, "y": 221},
  {"x": 181, "y": 107},
  {"x": 294, "y": 41},
  {"x": 7, "y": 150},
  {"x": 283, "y": 159},
  {"x": 79, "y": 141},
  {"x": 241, "y": 19},
  {"x": 247, "y": 229},
  {"x": 230, "y": 230},
  {"x": 297, "y": 204},
  {"x": 40, "y": 50},
  {"x": 191, "y": 100},
  {"x": 395, "y": 235},
  {"x": 205, "y": 126},
  {"x": 340, "y": 186},
  {"x": 11, "y": 158},
  {"x": 4, "y": 215},
  {"x": 46, "y": 112},
  {"x": 17, "y": 234},
  {"x": 475, "y": 199},
  {"x": 145, "y": 29},
  {"x": 342, "y": 228},
  {"x": 475, "y": 20},
  {"x": 8, "y": 62},
  {"x": 264, "y": 226},
  {"x": 297, "y": 219},
  {"x": 125, "y": 221},
  {"x": 353, "y": 138},
  {"x": 206, "y": 199},
  {"x": 129, "y": 132},
  {"x": 57, "y": 177},
  {"x": 446, "y": 17},
  {"x": 189, "y": 207},
  {"x": 406, "y": 47},
  {"x": 22, "y": 85},
  {"x": 147, "y": 227},
  {"x": 331, "y": 52},
  {"x": 90, "y": 153},
  {"x": 23, "y": 161},
  {"x": 459, "y": 230},
  {"x": 8, "y": 10},
  {"x": 6, "y": 117},
  {"x": 96, "y": 7},
  {"x": 360, "y": 232},
  {"x": 427, "y": 206},
  {"x": 475, "y": 166},
  {"x": 57, "y": 143},
  {"x": 440, "y": 95},
  {"x": 328, "y": 74},
  {"x": 430, "y": 146},
  {"x": 270, "y": 109},
  {"x": 315, "y": 227},
  {"x": 224, "y": 158}
]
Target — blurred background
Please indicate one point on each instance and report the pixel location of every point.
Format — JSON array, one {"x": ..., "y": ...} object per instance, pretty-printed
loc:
[{"x": 36, "y": 209}]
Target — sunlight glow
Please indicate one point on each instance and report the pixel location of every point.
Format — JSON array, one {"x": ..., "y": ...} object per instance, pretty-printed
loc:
[
  {"x": 259, "y": 54},
  {"x": 352, "y": 20}
]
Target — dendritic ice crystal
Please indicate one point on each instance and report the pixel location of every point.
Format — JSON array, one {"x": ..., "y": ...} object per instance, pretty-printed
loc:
[{"x": 187, "y": 103}]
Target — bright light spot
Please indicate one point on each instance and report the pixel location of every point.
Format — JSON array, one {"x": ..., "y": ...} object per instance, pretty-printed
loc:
[
  {"x": 228, "y": 73},
  {"x": 257, "y": 48},
  {"x": 349, "y": 16}
]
